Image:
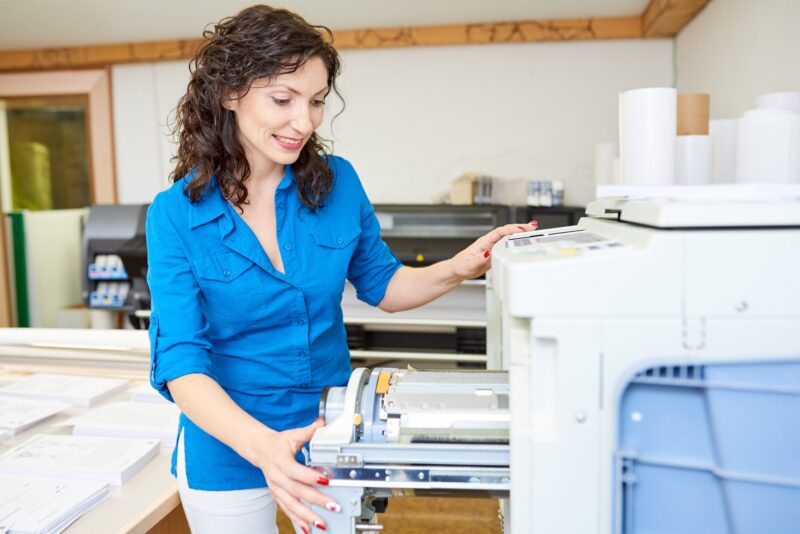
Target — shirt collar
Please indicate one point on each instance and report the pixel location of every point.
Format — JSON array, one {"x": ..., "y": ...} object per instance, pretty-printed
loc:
[
  {"x": 213, "y": 205},
  {"x": 288, "y": 178},
  {"x": 209, "y": 206}
]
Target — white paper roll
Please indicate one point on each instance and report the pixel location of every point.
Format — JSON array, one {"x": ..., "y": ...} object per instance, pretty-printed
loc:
[
  {"x": 779, "y": 100},
  {"x": 693, "y": 159},
  {"x": 604, "y": 154},
  {"x": 723, "y": 136},
  {"x": 647, "y": 125},
  {"x": 768, "y": 146}
]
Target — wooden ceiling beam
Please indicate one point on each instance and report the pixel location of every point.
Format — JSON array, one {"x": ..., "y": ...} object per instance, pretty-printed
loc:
[
  {"x": 78, "y": 57},
  {"x": 666, "y": 18},
  {"x": 81, "y": 57},
  {"x": 662, "y": 18}
]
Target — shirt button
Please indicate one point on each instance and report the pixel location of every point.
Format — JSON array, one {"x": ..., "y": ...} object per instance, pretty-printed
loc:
[
  {"x": 288, "y": 246},
  {"x": 339, "y": 240},
  {"x": 281, "y": 207},
  {"x": 301, "y": 321},
  {"x": 226, "y": 274}
]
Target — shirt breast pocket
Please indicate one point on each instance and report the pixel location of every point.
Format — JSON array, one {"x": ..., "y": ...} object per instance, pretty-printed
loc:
[
  {"x": 230, "y": 286},
  {"x": 335, "y": 245}
]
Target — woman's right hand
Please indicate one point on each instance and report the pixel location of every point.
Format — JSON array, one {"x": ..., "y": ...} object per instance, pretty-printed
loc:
[{"x": 292, "y": 484}]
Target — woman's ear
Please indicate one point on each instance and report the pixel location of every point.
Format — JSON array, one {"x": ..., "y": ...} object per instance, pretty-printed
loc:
[{"x": 230, "y": 101}]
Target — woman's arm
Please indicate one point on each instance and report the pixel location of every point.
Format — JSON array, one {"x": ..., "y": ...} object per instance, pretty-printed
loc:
[
  {"x": 411, "y": 287},
  {"x": 209, "y": 406}
]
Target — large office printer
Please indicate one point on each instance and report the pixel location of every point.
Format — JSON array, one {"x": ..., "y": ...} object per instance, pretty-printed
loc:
[
  {"x": 448, "y": 331},
  {"x": 652, "y": 379},
  {"x": 115, "y": 261}
]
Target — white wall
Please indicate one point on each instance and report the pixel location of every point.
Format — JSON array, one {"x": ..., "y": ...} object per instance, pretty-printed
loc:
[
  {"x": 416, "y": 118},
  {"x": 739, "y": 49},
  {"x": 144, "y": 97}
]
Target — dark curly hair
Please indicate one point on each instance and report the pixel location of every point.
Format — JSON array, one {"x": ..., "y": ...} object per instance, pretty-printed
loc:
[{"x": 259, "y": 42}]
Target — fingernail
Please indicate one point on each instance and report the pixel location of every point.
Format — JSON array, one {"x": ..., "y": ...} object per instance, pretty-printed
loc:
[
  {"x": 322, "y": 481},
  {"x": 320, "y": 525},
  {"x": 304, "y": 529},
  {"x": 534, "y": 222},
  {"x": 486, "y": 254},
  {"x": 333, "y": 507}
]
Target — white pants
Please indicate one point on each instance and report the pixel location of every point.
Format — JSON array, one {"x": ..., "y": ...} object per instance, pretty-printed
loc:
[{"x": 250, "y": 511}]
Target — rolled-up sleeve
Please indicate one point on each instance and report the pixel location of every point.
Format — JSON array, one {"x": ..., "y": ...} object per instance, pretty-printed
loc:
[
  {"x": 373, "y": 263},
  {"x": 178, "y": 330}
]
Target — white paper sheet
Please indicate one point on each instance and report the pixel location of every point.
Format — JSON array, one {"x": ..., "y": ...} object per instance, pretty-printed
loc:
[
  {"x": 77, "y": 390},
  {"x": 112, "y": 460},
  {"x": 146, "y": 393},
  {"x": 148, "y": 420},
  {"x": 42, "y": 505},
  {"x": 17, "y": 415}
]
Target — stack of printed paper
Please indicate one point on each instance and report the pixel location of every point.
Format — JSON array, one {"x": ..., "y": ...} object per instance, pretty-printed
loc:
[
  {"x": 112, "y": 460},
  {"x": 44, "y": 505},
  {"x": 149, "y": 420},
  {"x": 146, "y": 393},
  {"x": 17, "y": 415},
  {"x": 77, "y": 390}
]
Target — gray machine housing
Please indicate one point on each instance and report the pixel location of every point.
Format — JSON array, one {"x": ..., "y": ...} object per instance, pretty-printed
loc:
[{"x": 404, "y": 432}]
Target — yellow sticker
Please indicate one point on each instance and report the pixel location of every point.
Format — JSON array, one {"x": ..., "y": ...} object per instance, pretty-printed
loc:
[{"x": 383, "y": 382}]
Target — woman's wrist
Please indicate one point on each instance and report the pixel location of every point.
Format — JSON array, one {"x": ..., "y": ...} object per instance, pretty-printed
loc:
[
  {"x": 252, "y": 444},
  {"x": 453, "y": 277}
]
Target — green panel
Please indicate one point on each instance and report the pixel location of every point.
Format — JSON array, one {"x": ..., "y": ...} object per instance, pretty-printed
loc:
[{"x": 20, "y": 267}]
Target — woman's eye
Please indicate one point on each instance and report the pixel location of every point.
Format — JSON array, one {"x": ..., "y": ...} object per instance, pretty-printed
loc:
[
  {"x": 318, "y": 103},
  {"x": 280, "y": 101}
]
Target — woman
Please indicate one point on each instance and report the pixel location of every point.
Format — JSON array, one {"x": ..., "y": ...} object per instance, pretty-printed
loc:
[{"x": 248, "y": 255}]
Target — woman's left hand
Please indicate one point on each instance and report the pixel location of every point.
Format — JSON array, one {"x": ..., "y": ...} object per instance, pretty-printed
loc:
[{"x": 476, "y": 259}]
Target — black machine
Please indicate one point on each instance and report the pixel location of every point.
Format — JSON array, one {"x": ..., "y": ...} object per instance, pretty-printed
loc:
[
  {"x": 423, "y": 234},
  {"x": 115, "y": 256},
  {"x": 115, "y": 261}
]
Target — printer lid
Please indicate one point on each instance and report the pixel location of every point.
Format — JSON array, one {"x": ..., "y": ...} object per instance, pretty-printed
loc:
[{"x": 708, "y": 206}]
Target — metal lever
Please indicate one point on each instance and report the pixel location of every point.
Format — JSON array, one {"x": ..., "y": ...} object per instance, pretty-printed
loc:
[{"x": 369, "y": 528}]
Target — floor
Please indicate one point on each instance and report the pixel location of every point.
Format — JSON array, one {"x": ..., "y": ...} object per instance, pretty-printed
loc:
[{"x": 427, "y": 515}]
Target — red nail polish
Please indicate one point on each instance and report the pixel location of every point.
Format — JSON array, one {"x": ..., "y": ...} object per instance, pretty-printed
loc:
[
  {"x": 487, "y": 254},
  {"x": 322, "y": 481},
  {"x": 320, "y": 526},
  {"x": 304, "y": 529}
]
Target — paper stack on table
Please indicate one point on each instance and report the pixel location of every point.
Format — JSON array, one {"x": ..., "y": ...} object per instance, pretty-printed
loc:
[
  {"x": 77, "y": 390},
  {"x": 112, "y": 460},
  {"x": 17, "y": 415},
  {"x": 146, "y": 393},
  {"x": 148, "y": 420},
  {"x": 44, "y": 505}
]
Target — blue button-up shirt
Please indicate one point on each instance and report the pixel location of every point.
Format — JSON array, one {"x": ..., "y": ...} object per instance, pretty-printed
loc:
[{"x": 273, "y": 341}]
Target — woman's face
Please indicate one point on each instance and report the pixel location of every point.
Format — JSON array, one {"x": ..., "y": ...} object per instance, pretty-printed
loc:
[{"x": 275, "y": 120}]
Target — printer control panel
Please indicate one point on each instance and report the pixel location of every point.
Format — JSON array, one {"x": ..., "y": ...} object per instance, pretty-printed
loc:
[{"x": 567, "y": 241}]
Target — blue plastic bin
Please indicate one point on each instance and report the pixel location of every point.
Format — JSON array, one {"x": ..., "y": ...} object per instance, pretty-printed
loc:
[{"x": 710, "y": 449}]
